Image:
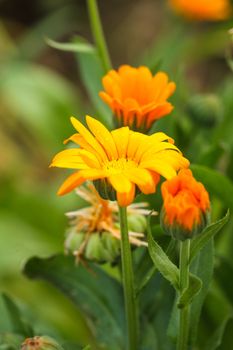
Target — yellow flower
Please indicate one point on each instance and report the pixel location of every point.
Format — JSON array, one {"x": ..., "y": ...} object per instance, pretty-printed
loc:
[
  {"x": 122, "y": 159},
  {"x": 136, "y": 97},
  {"x": 210, "y": 10}
]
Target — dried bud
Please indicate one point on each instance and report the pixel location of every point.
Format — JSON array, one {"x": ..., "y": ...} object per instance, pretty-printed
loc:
[
  {"x": 186, "y": 206},
  {"x": 40, "y": 343}
]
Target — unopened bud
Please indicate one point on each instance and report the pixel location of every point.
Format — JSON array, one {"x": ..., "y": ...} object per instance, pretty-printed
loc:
[
  {"x": 137, "y": 222},
  {"x": 186, "y": 206},
  {"x": 205, "y": 110}
]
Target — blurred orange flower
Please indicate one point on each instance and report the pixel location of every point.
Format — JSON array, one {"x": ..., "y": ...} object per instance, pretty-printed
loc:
[
  {"x": 210, "y": 10},
  {"x": 136, "y": 97},
  {"x": 121, "y": 161},
  {"x": 185, "y": 201}
]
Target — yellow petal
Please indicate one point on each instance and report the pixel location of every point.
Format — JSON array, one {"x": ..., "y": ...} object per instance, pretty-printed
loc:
[
  {"x": 89, "y": 158},
  {"x": 70, "y": 158},
  {"x": 70, "y": 183},
  {"x": 103, "y": 136},
  {"x": 89, "y": 138},
  {"x": 160, "y": 136},
  {"x": 120, "y": 183},
  {"x": 159, "y": 148},
  {"x": 139, "y": 176},
  {"x": 125, "y": 199},
  {"x": 74, "y": 138},
  {"x": 160, "y": 167},
  {"x": 135, "y": 140},
  {"x": 149, "y": 145},
  {"x": 78, "y": 178},
  {"x": 121, "y": 139}
]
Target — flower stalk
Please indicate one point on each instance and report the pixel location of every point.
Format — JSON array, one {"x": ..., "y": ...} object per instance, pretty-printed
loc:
[
  {"x": 128, "y": 282},
  {"x": 182, "y": 343},
  {"x": 98, "y": 34}
]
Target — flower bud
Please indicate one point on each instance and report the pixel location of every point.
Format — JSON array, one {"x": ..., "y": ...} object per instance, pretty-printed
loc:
[
  {"x": 99, "y": 247},
  {"x": 186, "y": 207},
  {"x": 137, "y": 222},
  {"x": 205, "y": 110},
  {"x": 40, "y": 343}
]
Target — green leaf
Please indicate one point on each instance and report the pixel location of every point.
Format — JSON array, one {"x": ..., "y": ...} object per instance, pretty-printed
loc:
[
  {"x": 209, "y": 232},
  {"x": 92, "y": 73},
  {"x": 202, "y": 266},
  {"x": 73, "y": 47},
  {"x": 149, "y": 271},
  {"x": 18, "y": 324},
  {"x": 161, "y": 261},
  {"x": 87, "y": 347},
  {"x": 216, "y": 339},
  {"x": 189, "y": 293},
  {"x": 212, "y": 180},
  {"x": 99, "y": 296}
]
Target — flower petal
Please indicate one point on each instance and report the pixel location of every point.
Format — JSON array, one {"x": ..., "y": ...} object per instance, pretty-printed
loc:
[
  {"x": 89, "y": 138},
  {"x": 142, "y": 178},
  {"x": 70, "y": 158},
  {"x": 160, "y": 167},
  {"x": 103, "y": 136},
  {"x": 126, "y": 198},
  {"x": 120, "y": 183},
  {"x": 121, "y": 139},
  {"x": 78, "y": 178}
]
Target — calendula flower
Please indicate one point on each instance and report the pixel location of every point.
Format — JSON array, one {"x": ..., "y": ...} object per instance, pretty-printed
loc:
[
  {"x": 94, "y": 232},
  {"x": 118, "y": 161},
  {"x": 136, "y": 97},
  {"x": 186, "y": 205},
  {"x": 210, "y": 10}
]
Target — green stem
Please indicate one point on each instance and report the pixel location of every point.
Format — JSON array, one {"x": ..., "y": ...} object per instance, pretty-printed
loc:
[
  {"x": 182, "y": 343},
  {"x": 128, "y": 282},
  {"x": 98, "y": 34}
]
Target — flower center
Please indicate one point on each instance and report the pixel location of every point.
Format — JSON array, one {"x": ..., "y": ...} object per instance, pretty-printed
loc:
[{"x": 119, "y": 165}]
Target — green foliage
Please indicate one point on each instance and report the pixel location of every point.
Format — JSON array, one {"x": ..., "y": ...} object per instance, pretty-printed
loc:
[
  {"x": 39, "y": 90},
  {"x": 161, "y": 260},
  {"x": 88, "y": 294},
  {"x": 73, "y": 47},
  {"x": 18, "y": 325},
  {"x": 208, "y": 233}
]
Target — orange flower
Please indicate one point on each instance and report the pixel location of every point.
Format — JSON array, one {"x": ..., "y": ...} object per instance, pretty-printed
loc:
[
  {"x": 210, "y": 10},
  {"x": 186, "y": 202},
  {"x": 119, "y": 162},
  {"x": 136, "y": 97}
]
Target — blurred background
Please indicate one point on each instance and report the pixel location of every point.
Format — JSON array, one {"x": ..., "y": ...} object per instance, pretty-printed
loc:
[{"x": 40, "y": 88}]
